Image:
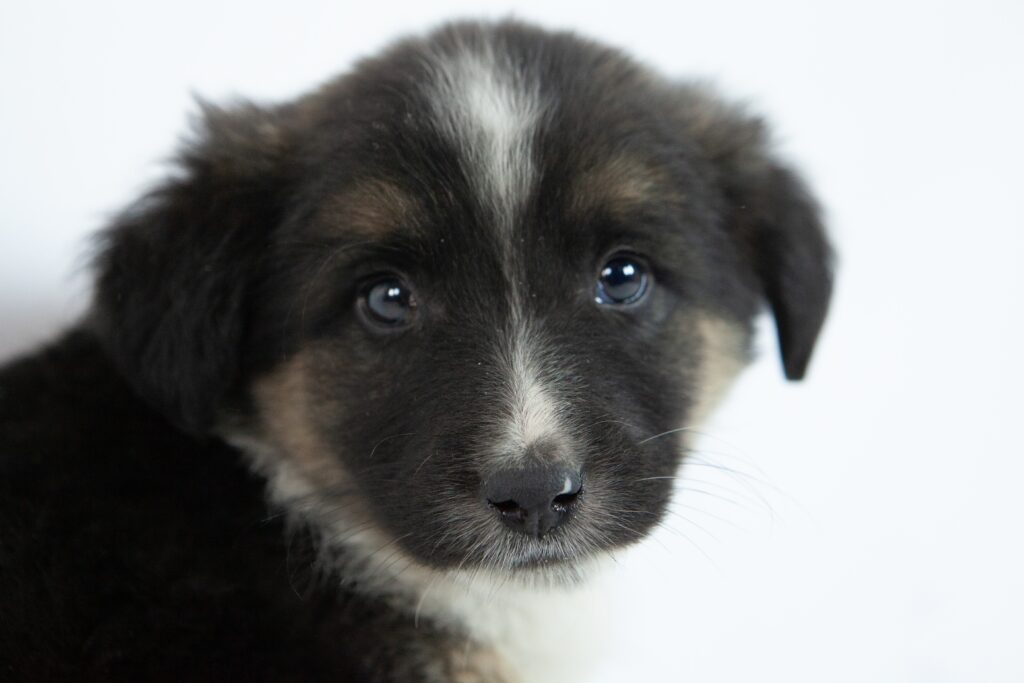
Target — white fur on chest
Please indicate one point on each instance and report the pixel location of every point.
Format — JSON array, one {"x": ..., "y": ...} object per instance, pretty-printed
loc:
[{"x": 545, "y": 634}]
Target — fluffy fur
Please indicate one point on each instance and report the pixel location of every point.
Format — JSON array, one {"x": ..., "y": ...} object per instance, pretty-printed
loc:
[{"x": 230, "y": 468}]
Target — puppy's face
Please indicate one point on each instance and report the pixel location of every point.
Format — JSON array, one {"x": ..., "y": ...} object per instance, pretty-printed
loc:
[{"x": 468, "y": 298}]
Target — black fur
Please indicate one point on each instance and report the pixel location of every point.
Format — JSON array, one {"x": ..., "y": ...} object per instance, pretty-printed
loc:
[
  {"x": 132, "y": 552},
  {"x": 175, "y": 270},
  {"x": 134, "y": 543}
]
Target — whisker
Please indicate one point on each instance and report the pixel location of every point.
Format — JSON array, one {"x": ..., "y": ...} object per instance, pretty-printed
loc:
[
  {"x": 420, "y": 466},
  {"x": 718, "y": 496},
  {"x": 745, "y": 480},
  {"x": 719, "y": 518},
  {"x": 388, "y": 438},
  {"x": 666, "y": 433},
  {"x": 696, "y": 546}
]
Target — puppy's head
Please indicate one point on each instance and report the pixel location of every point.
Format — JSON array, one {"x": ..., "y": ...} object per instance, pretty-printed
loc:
[{"x": 466, "y": 299}]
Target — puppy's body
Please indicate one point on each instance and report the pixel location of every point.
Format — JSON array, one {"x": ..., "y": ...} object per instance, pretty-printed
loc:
[{"x": 454, "y": 310}]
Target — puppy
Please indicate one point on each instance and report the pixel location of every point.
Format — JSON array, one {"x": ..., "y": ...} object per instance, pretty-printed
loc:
[{"x": 372, "y": 384}]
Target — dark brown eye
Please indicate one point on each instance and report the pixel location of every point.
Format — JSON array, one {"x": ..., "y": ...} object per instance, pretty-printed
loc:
[
  {"x": 389, "y": 302},
  {"x": 623, "y": 280}
]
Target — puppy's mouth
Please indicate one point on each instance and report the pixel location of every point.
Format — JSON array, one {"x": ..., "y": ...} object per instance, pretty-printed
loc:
[
  {"x": 559, "y": 549},
  {"x": 542, "y": 554},
  {"x": 539, "y": 532},
  {"x": 550, "y": 564}
]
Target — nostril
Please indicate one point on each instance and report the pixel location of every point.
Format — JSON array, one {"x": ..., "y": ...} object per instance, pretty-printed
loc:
[
  {"x": 570, "y": 492},
  {"x": 505, "y": 506},
  {"x": 564, "y": 501}
]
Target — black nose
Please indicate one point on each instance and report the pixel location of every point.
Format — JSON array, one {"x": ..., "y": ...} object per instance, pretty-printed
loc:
[{"x": 534, "y": 500}]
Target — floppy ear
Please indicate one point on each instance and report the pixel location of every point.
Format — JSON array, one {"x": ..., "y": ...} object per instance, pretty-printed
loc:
[
  {"x": 792, "y": 258},
  {"x": 174, "y": 269},
  {"x": 773, "y": 217}
]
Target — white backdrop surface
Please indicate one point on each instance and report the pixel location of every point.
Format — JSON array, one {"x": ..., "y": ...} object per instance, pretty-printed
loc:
[{"x": 864, "y": 525}]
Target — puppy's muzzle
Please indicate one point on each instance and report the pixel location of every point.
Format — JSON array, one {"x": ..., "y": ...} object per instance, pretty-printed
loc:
[{"x": 534, "y": 500}]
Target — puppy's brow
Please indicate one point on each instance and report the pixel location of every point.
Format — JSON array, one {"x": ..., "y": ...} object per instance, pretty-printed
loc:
[
  {"x": 619, "y": 185},
  {"x": 373, "y": 208}
]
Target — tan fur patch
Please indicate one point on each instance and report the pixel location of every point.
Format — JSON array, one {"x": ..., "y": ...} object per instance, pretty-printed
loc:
[
  {"x": 478, "y": 664},
  {"x": 723, "y": 356},
  {"x": 287, "y": 414},
  {"x": 620, "y": 185},
  {"x": 371, "y": 208}
]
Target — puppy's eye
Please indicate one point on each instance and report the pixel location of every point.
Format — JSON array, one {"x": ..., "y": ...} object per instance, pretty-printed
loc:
[
  {"x": 623, "y": 280},
  {"x": 388, "y": 302}
]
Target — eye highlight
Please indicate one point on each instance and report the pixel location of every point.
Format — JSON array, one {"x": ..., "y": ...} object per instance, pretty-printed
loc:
[
  {"x": 623, "y": 280},
  {"x": 388, "y": 302}
]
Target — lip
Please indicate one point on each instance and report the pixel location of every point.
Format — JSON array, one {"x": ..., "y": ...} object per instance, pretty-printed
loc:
[
  {"x": 539, "y": 564},
  {"x": 538, "y": 557}
]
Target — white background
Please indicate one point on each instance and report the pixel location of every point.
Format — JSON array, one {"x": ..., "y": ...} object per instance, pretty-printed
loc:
[{"x": 870, "y": 528}]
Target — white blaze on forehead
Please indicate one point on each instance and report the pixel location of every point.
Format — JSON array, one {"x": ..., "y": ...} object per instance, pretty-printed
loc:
[{"x": 489, "y": 109}]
